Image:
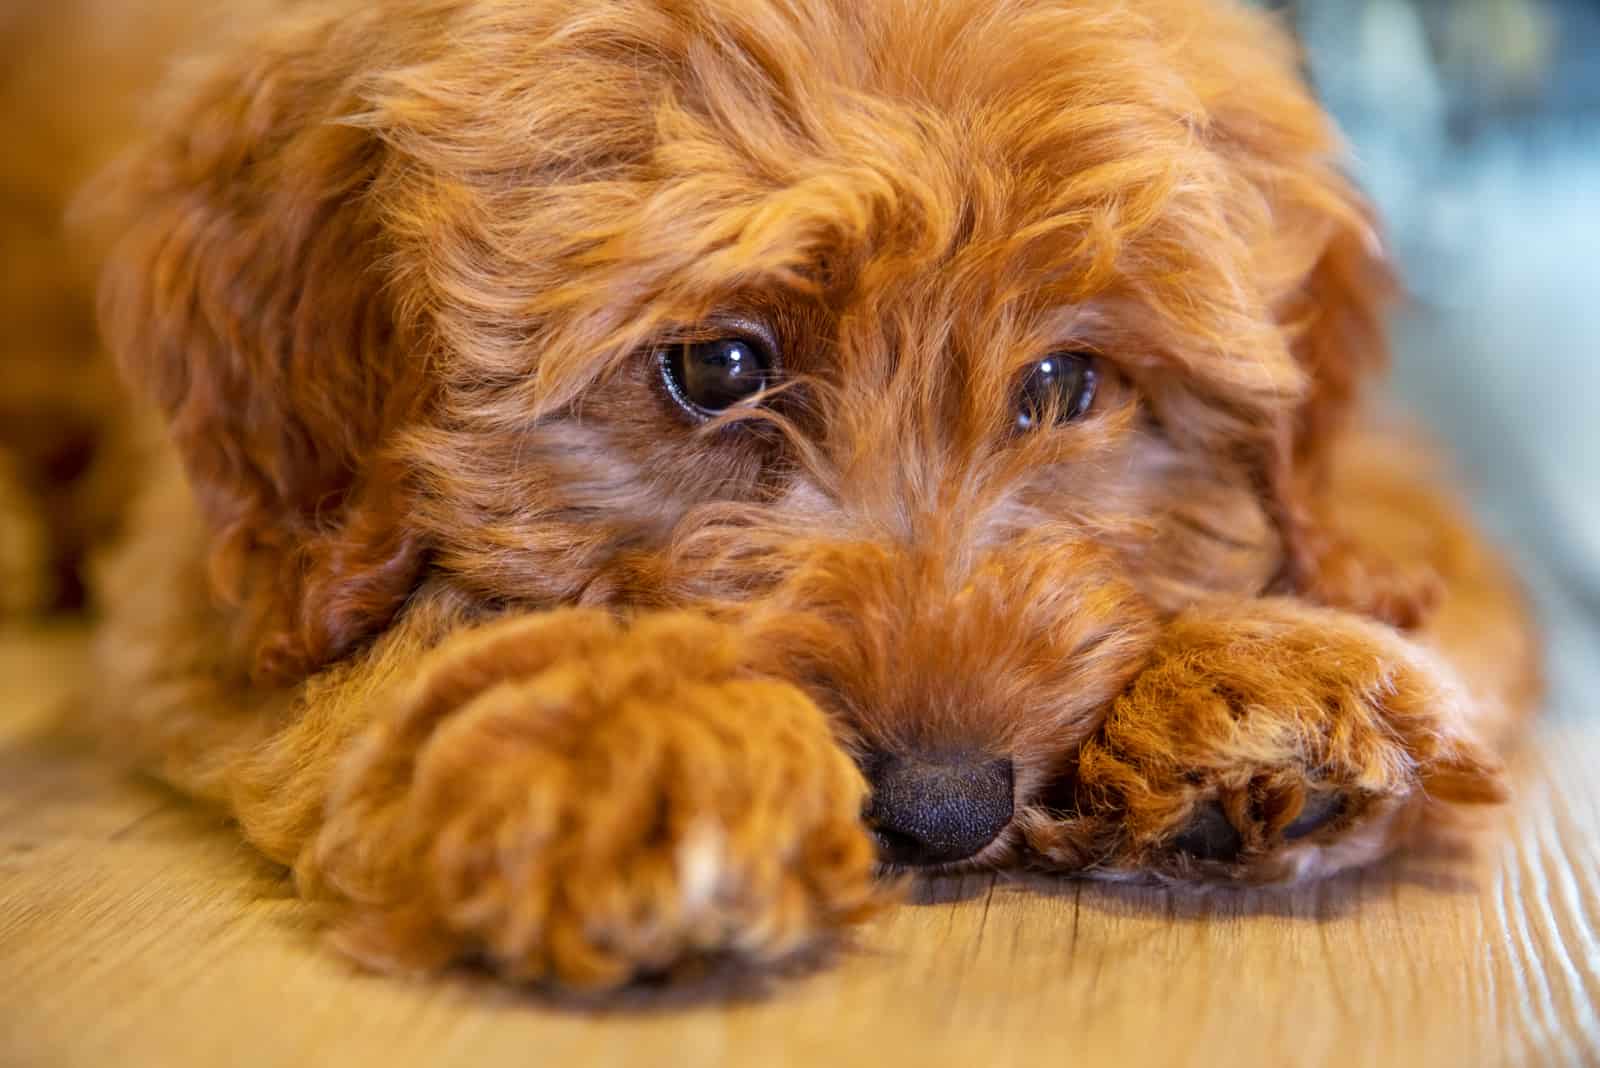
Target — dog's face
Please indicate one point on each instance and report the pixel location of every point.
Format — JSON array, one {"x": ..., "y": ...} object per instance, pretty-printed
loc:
[{"x": 945, "y": 347}]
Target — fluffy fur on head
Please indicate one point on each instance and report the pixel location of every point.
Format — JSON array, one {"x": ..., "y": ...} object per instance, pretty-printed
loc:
[
  {"x": 400, "y": 277},
  {"x": 397, "y": 275}
]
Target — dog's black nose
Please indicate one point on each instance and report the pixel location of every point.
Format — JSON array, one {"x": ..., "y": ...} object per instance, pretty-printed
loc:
[{"x": 926, "y": 812}]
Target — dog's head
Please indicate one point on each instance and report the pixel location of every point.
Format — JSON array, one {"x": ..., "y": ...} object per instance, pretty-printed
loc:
[{"x": 947, "y": 347}]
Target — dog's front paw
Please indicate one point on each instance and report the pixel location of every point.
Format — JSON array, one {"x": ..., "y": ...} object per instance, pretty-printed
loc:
[
  {"x": 1270, "y": 745},
  {"x": 623, "y": 804}
]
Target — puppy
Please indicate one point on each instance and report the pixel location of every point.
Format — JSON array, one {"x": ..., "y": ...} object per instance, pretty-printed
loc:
[{"x": 636, "y": 467}]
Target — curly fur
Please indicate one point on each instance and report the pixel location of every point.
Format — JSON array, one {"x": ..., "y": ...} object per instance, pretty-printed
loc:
[{"x": 464, "y": 621}]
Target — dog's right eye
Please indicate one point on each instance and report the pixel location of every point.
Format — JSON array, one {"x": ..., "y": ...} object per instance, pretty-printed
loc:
[{"x": 708, "y": 377}]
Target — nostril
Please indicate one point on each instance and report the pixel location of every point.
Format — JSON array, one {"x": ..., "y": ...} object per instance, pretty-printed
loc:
[
  {"x": 897, "y": 848},
  {"x": 926, "y": 812}
]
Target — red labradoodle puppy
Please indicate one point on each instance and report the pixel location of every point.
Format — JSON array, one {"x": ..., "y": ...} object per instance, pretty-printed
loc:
[{"x": 645, "y": 461}]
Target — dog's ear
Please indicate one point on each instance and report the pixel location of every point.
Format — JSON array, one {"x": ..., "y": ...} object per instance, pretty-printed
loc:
[
  {"x": 1321, "y": 269},
  {"x": 1330, "y": 285},
  {"x": 243, "y": 292},
  {"x": 1336, "y": 322},
  {"x": 1323, "y": 276}
]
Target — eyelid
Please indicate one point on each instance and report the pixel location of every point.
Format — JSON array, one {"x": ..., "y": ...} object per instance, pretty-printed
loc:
[
  {"x": 717, "y": 328},
  {"x": 751, "y": 330}
]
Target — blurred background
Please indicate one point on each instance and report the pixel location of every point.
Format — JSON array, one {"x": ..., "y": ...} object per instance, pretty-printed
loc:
[{"x": 1476, "y": 128}]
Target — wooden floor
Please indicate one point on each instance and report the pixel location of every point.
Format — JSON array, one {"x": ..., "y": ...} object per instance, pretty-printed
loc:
[{"x": 135, "y": 930}]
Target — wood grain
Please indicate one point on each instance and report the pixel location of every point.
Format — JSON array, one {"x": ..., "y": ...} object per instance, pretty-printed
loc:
[{"x": 136, "y": 930}]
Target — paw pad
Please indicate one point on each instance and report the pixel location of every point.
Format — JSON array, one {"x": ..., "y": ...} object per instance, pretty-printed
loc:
[
  {"x": 1320, "y": 810},
  {"x": 1210, "y": 835}
]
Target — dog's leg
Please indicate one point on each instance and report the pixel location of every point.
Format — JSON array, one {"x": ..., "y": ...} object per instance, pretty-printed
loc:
[
  {"x": 567, "y": 798},
  {"x": 1271, "y": 739}
]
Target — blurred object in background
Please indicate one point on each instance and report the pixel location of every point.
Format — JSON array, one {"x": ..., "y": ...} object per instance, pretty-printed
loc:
[
  {"x": 1476, "y": 128},
  {"x": 65, "y": 431},
  {"x": 1471, "y": 61},
  {"x": 58, "y": 392},
  {"x": 1433, "y": 91}
]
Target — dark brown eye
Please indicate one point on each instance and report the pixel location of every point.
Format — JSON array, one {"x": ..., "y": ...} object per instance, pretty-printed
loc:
[
  {"x": 1058, "y": 388},
  {"x": 708, "y": 377}
]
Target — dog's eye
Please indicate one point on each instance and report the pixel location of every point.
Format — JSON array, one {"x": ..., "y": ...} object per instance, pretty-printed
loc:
[
  {"x": 707, "y": 377},
  {"x": 1059, "y": 388}
]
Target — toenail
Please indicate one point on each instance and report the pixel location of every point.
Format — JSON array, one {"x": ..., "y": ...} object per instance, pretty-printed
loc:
[{"x": 1210, "y": 835}]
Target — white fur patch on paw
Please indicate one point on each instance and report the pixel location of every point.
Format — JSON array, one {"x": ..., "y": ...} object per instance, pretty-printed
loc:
[{"x": 702, "y": 862}]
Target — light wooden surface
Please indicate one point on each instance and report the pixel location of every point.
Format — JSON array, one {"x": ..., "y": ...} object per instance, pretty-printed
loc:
[{"x": 136, "y": 930}]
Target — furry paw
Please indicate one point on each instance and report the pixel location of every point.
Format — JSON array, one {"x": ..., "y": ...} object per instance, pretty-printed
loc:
[
  {"x": 1277, "y": 743},
  {"x": 579, "y": 804}
]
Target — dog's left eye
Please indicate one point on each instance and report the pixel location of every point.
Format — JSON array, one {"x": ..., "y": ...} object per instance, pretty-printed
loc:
[
  {"x": 1059, "y": 389},
  {"x": 707, "y": 377}
]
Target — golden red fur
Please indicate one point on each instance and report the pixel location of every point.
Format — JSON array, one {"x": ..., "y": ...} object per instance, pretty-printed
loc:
[{"x": 471, "y": 624}]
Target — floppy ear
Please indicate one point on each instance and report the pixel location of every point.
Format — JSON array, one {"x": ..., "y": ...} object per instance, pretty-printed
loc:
[
  {"x": 243, "y": 293},
  {"x": 1321, "y": 266},
  {"x": 1321, "y": 269},
  {"x": 1337, "y": 320}
]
